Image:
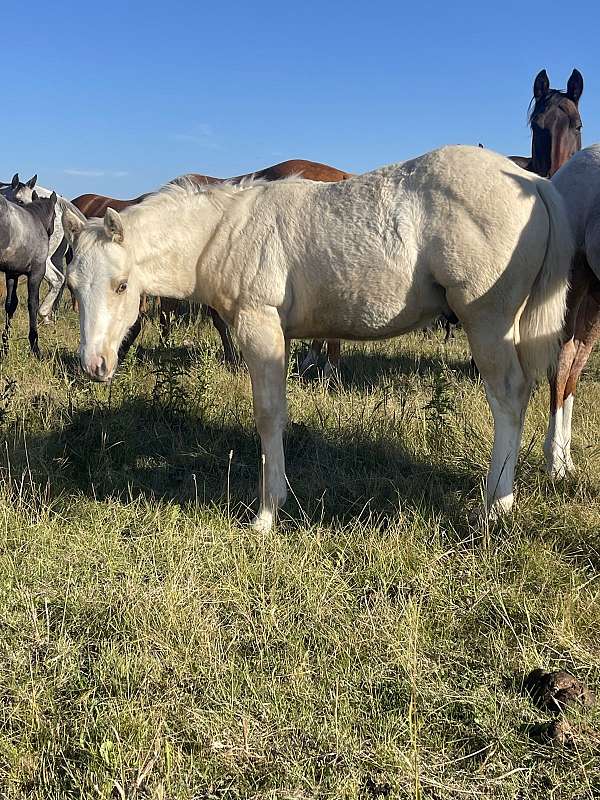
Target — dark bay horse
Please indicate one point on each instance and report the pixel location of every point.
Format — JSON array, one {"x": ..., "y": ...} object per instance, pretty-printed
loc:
[
  {"x": 555, "y": 125},
  {"x": 94, "y": 205},
  {"x": 24, "y": 237}
]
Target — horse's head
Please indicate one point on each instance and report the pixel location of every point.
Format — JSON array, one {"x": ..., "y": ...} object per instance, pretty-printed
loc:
[
  {"x": 45, "y": 209},
  {"x": 100, "y": 276},
  {"x": 21, "y": 193},
  {"x": 555, "y": 123}
]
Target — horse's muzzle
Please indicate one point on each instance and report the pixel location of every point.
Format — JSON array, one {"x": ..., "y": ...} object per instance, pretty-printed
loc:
[{"x": 97, "y": 368}]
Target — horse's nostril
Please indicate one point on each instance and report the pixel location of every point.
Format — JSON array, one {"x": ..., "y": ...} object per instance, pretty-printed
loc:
[{"x": 101, "y": 367}]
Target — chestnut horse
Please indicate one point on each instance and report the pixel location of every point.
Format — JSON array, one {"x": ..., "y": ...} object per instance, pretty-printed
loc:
[{"x": 94, "y": 205}]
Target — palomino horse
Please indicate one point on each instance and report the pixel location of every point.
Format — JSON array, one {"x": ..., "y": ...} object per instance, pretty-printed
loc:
[
  {"x": 93, "y": 205},
  {"x": 579, "y": 183},
  {"x": 555, "y": 125},
  {"x": 460, "y": 229},
  {"x": 23, "y": 194},
  {"x": 25, "y": 231}
]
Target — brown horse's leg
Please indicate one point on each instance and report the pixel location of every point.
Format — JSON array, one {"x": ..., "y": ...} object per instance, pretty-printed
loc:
[
  {"x": 310, "y": 362},
  {"x": 555, "y": 448},
  {"x": 168, "y": 307},
  {"x": 332, "y": 365},
  {"x": 229, "y": 351},
  {"x": 586, "y": 336}
]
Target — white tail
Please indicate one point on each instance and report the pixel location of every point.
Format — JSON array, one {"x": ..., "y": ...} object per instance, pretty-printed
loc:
[{"x": 541, "y": 322}]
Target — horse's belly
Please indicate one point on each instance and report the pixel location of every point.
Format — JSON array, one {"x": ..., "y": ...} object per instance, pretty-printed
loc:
[{"x": 373, "y": 313}]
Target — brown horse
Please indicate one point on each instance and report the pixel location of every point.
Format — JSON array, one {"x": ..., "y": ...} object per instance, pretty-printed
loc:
[
  {"x": 555, "y": 125},
  {"x": 93, "y": 205},
  {"x": 556, "y": 136}
]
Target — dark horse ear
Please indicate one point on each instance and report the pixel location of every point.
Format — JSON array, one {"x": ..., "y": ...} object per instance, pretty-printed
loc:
[
  {"x": 575, "y": 86},
  {"x": 31, "y": 182},
  {"x": 15, "y": 181},
  {"x": 35, "y": 196},
  {"x": 541, "y": 84}
]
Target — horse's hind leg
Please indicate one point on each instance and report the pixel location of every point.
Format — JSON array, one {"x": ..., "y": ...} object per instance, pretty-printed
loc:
[
  {"x": 587, "y": 333},
  {"x": 264, "y": 349},
  {"x": 508, "y": 391},
  {"x": 558, "y": 437},
  {"x": 10, "y": 306},
  {"x": 34, "y": 280}
]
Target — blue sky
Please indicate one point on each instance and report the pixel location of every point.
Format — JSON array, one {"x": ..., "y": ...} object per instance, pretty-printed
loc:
[{"x": 117, "y": 98}]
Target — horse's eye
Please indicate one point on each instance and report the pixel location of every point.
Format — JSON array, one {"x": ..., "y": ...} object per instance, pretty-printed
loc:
[{"x": 121, "y": 287}]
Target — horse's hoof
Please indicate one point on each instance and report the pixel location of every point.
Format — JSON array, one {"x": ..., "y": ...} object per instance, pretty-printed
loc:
[
  {"x": 558, "y": 469},
  {"x": 47, "y": 320},
  {"x": 263, "y": 521}
]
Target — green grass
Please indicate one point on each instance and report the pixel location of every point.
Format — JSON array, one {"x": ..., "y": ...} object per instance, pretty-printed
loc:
[{"x": 373, "y": 645}]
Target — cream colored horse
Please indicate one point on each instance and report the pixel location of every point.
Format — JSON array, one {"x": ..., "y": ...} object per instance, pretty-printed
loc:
[{"x": 460, "y": 229}]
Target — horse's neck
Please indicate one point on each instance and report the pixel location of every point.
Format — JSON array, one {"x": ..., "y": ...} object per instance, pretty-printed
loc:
[{"x": 168, "y": 242}]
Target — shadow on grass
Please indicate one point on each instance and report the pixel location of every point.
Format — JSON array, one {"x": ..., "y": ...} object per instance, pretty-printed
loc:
[
  {"x": 362, "y": 370},
  {"x": 141, "y": 449}
]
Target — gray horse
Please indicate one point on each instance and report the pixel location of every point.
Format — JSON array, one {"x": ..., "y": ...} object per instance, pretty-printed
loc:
[
  {"x": 24, "y": 239},
  {"x": 23, "y": 194}
]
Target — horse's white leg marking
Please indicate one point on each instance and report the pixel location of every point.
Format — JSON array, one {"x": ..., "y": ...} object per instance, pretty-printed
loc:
[
  {"x": 264, "y": 348},
  {"x": 554, "y": 445},
  {"x": 508, "y": 392},
  {"x": 56, "y": 279},
  {"x": 566, "y": 432}
]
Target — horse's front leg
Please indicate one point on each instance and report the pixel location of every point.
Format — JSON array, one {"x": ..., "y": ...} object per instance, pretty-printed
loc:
[
  {"x": 10, "y": 306},
  {"x": 34, "y": 279},
  {"x": 260, "y": 336},
  {"x": 56, "y": 280}
]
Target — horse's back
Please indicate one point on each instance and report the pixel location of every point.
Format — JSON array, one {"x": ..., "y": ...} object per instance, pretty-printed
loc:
[
  {"x": 578, "y": 181},
  {"x": 95, "y": 205}
]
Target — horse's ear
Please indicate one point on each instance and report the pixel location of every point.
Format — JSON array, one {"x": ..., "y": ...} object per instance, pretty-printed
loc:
[
  {"x": 575, "y": 86},
  {"x": 35, "y": 196},
  {"x": 72, "y": 225},
  {"x": 32, "y": 182},
  {"x": 113, "y": 225},
  {"x": 53, "y": 199},
  {"x": 541, "y": 84},
  {"x": 15, "y": 181}
]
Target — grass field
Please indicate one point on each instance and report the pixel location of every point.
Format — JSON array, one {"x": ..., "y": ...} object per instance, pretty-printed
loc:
[{"x": 373, "y": 645}]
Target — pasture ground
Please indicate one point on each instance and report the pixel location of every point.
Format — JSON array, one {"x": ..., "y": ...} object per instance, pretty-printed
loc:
[{"x": 372, "y": 646}]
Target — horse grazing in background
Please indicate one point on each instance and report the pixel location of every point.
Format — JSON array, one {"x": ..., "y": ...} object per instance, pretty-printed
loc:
[
  {"x": 94, "y": 205},
  {"x": 24, "y": 235},
  {"x": 555, "y": 125},
  {"x": 23, "y": 193},
  {"x": 460, "y": 229},
  {"x": 578, "y": 181}
]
